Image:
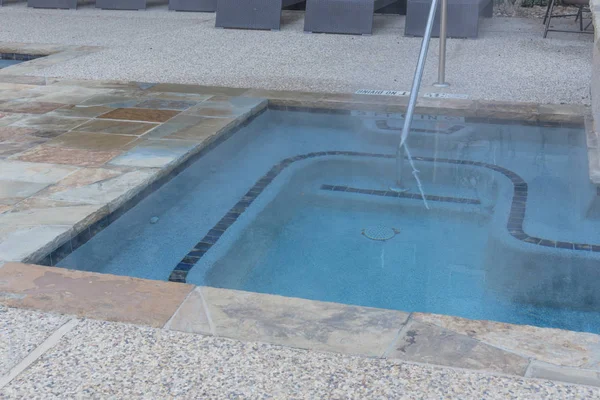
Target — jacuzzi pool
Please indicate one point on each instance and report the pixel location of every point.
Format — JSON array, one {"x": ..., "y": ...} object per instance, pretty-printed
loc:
[{"x": 298, "y": 204}]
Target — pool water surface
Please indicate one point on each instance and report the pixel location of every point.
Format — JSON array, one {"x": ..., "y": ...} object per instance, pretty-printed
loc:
[{"x": 508, "y": 230}]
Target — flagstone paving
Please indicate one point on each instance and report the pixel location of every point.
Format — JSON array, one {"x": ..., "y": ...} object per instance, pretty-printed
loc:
[{"x": 68, "y": 164}]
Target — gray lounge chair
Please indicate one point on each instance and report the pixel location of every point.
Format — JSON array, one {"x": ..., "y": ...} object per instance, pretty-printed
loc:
[
  {"x": 193, "y": 5},
  {"x": 64, "y": 4},
  {"x": 463, "y": 17},
  {"x": 251, "y": 14},
  {"x": 342, "y": 16},
  {"x": 121, "y": 4}
]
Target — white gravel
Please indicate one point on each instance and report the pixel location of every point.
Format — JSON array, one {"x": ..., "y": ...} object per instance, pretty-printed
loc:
[
  {"x": 21, "y": 331},
  {"x": 510, "y": 60},
  {"x": 110, "y": 360}
]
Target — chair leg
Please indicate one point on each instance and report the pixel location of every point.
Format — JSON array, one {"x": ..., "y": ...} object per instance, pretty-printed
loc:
[
  {"x": 580, "y": 13},
  {"x": 549, "y": 17},
  {"x": 547, "y": 11}
]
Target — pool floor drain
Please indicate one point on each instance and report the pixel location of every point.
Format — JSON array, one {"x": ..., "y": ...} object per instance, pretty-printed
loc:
[{"x": 381, "y": 233}]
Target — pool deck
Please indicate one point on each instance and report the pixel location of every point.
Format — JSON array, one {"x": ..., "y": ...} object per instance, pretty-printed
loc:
[
  {"x": 74, "y": 154},
  {"x": 510, "y": 61}
]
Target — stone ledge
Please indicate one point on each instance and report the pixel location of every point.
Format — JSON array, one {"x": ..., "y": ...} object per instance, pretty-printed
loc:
[{"x": 424, "y": 338}]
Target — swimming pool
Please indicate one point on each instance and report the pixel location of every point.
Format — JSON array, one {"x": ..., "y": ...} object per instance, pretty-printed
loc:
[
  {"x": 8, "y": 63},
  {"x": 298, "y": 204}
]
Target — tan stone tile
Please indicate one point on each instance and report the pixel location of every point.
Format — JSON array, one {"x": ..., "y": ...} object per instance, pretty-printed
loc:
[
  {"x": 182, "y": 88},
  {"x": 10, "y": 132},
  {"x": 91, "y": 141},
  {"x": 564, "y": 113},
  {"x": 14, "y": 170},
  {"x": 109, "y": 100},
  {"x": 29, "y": 107},
  {"x": 66, "y": 215},
  {"x": 164, "y": 104},
  {"x": 91, "y": 295},
  {"x": 174, "y": 125},
  {"x": 80, "y": 111},
  {"x": 80, "y": 178},
  {"x": 18, "y": 243},
  {"x": 283, "y": 94},
  {"x": 12, "y": 192},
  {"x": 556, "y": 346},
  {"x": 301, "y": 323},
  {"x": 12, "y": 148},
  {"x": 4, "y": 208},
  {"x": 204, "y": 129},
  {"x": 120, "y": 127},
  {"x": 33, "y": 203},
  {"x": 564, "y": 374},
  {"x": 10, "y": 118},
  {"x": 504, "y": 110},
  {"x": 182, "y": 96},
  {"x": 15, "y": 86},
  {"x": 58, "y": 155},
  {"x": 112, "y": 191},
  {"x": 420, "y": 342},
  {"x": 191, "y": 316},
  {"x": 140, "y": 114},
  {"x": 51, "y": 123}
]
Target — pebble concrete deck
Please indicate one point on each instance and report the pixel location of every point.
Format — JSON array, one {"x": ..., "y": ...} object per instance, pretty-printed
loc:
[
  {"x": 93, "y": 359},
  {"x": 510, "y": 60}
]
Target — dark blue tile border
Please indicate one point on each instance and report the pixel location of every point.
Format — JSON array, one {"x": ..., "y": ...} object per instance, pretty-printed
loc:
[
  {"x": 401, "y": 195},
  {"x": 514, "y": 223},
  {"x": 20, "y": 56}
]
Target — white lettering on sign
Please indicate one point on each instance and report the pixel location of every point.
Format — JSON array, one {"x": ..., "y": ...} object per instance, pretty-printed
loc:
[{"x": 382, "y": 92}]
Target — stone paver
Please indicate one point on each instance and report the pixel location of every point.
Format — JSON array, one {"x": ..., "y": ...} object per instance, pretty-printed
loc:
[
  {"x": 301, "y": 323},
  {"x": 91, "y": 141},
  {"x": 154, "y": 153},
  {"x": 102, "y": 296},
  {"x": 102, "y": 359},
  {"x": 578, "y": 376},
  {"x": 573, "y": 349},
  {"x": 431, "y": 344},
  {"x": 58, "y": 155},
  {"x": 119, "y": 127},
  {"x": 136, "y": 114}
]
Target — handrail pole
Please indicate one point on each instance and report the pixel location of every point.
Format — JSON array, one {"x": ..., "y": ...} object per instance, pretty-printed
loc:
[
  {"x": 412, "y": 101},
  {"x": 441, "y": 82}
]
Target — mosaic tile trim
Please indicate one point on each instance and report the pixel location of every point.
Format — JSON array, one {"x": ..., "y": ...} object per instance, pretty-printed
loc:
[
  {"x": 514, "y": 223},
  {"x": 401, "y": 195},
  {"x": 80, "y": 238}
]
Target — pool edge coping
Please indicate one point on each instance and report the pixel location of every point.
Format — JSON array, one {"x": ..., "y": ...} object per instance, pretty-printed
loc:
[
  {"x": 503, "y": 112},
  {"x": 266, "y": 318}
]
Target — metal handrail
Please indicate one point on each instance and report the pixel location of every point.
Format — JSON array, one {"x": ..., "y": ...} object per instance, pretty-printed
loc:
[{"x": 412, "y": 101}]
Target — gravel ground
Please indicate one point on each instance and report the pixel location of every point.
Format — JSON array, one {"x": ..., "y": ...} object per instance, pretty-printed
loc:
[
  {"x": 510, "y": 60},
  {"x": 21, "y": 331},
  {"x": 111, "y": 360}
]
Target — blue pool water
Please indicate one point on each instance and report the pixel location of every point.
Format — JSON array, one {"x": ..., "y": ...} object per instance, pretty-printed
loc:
[
  {"x": 302, "y": 234},
  {"x": 8, "y": 63}
]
